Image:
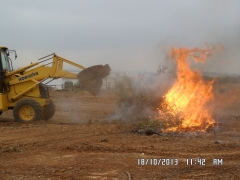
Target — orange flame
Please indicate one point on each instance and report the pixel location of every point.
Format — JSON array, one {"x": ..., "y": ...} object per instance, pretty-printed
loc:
[{"x": 188, "y": 97}]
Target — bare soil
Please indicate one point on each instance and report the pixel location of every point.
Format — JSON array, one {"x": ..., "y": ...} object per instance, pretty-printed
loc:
[{"x": 83, "y": 141}]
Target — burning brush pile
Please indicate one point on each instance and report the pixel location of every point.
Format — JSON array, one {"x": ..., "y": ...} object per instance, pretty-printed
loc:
[{"x": 185, "y": 105}]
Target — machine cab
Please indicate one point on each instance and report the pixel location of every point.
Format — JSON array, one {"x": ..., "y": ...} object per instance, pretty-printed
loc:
[{"x": 5, "y": 61}]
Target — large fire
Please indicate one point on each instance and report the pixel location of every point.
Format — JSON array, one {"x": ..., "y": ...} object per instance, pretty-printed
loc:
[{"x": 186, "y": 102}]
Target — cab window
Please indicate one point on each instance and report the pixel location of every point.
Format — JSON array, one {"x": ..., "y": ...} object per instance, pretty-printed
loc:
[{"x": 5, "y": 62}]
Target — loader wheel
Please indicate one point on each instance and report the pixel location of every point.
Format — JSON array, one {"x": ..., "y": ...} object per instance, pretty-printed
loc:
[
  {"x": 49, "y": 111},
  {"x": 27, "y": 110}
]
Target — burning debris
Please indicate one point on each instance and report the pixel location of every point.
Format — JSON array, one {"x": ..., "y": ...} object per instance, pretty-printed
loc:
[
  {"x": 176, "y": 107},
  {"x": 185, "y": 105}
]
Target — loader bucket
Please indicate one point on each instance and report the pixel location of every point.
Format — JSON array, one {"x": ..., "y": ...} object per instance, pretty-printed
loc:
[{"x": 91, "y": 77}]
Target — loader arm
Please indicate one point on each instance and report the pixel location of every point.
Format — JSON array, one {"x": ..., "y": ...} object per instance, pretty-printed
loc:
[
  {"x": 43, "y": 71},
  {"x": 90, "y": 78}
]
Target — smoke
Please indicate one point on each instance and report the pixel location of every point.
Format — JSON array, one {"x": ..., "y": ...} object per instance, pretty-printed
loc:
[{"x": 140, "y": 95}]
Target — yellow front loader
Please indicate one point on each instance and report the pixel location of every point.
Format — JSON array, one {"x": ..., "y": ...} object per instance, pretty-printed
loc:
[{"x": 24, "y": 92}]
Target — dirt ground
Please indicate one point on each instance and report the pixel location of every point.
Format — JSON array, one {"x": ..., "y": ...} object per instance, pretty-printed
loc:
[{"x": 83, "y": 141}]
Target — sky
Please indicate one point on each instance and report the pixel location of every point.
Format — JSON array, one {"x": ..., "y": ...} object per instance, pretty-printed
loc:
[{"x": 128, "y": 35}]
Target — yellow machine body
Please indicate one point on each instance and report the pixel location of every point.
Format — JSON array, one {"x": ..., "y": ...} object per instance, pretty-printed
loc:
[
  {"x": 23, "y": 91},
  {"x": 24, "y": 82}
]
